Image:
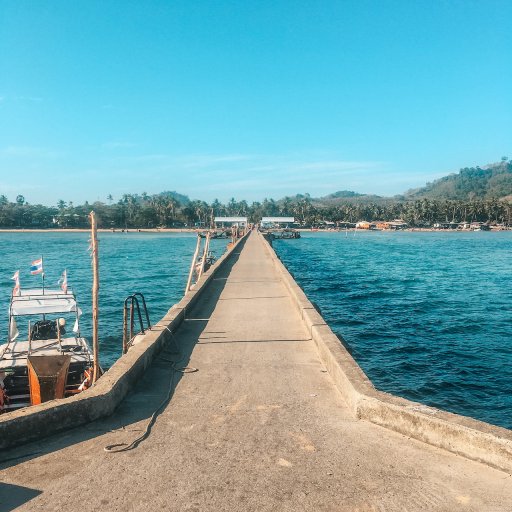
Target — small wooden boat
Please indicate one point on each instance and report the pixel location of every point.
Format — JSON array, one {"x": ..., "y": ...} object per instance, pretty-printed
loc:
[
  {"x": 285, "y": 234},
  {"x": 50, "y": 363},
  {"x": 219, "y": 233}
]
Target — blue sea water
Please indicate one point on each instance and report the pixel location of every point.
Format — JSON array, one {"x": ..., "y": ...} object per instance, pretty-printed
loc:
[
  {"x": 155, "y": 264},
  {"x": 427, "y": 315}
]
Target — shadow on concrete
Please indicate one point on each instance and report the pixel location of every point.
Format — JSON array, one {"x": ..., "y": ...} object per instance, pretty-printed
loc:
[
  {"x": 255, "y": 298},
  {"x": 201, "y": 342},
  {"x": 152, "y": 389},
  {"x": 13, "y": 496}
]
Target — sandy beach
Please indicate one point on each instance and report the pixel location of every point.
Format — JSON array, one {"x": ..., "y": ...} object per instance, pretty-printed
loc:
[
  {"x": 102, "y": 230},
  {"x": 196, "y": 230}
]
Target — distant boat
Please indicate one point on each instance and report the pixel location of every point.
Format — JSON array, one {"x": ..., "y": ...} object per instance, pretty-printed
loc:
[
  {"x": 222, "y": 233},
  {"x": 49, "y": 363}
]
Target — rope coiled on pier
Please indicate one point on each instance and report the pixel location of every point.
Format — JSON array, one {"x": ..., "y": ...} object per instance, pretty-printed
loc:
[{"x": 124, "y": 447}]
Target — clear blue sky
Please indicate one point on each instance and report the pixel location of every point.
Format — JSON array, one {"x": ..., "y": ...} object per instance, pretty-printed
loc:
[{"x": 249, "y": 99}]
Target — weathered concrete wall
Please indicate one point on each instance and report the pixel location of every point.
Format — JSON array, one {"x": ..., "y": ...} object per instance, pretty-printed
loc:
[
  {"x": 100, "y": 400},
  {"x": 465, "y": 436}
]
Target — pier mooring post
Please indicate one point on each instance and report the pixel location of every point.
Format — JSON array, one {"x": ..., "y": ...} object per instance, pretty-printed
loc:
[
  {"x": 192, "y": 265},
  {"x": 95, "y": 290}
]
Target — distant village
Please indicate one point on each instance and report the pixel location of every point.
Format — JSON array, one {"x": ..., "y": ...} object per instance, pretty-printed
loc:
[
  {"x": 289, "y": 224},
  {"x": 399, "y": 224}
]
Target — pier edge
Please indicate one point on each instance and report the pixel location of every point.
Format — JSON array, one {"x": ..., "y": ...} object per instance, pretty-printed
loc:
[{"x": 468, "y": 437}]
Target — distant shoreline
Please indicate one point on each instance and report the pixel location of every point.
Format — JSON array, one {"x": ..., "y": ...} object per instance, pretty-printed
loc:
[
  {"x": 195, "y": 230},
  {"x": 100, "y": 230},
  {"x": 407, "y": 230}
]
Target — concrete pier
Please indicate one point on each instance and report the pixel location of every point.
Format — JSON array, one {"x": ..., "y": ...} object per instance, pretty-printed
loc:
[{"x": 260, "y": 426}]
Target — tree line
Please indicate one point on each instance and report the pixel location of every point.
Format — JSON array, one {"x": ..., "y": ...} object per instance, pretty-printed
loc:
[{"x": 143, "y": 211}]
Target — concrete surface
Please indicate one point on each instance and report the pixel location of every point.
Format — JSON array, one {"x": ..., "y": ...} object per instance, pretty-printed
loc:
[
  {"x": 474, "y": 439},
  {"x": 260, "y": 426},
  {"x": 101, "y": 400}
]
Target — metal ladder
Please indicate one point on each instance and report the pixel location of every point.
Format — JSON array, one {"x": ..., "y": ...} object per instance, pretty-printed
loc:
[{"x": 132, "y": 305}]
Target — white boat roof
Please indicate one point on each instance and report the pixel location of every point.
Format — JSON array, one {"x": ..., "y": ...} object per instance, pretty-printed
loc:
[
  {"x": 231, "y": 219},
  {"x": 278, "y": 219},
  {"x": 34, "y": 302}
]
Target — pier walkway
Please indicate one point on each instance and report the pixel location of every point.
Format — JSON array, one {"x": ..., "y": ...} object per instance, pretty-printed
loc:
[{"x": 260, "y": 426}]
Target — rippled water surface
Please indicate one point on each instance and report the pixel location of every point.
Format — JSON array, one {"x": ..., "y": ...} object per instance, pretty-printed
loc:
[
  {"x": 155, "y": 264},
  {"x": 427, "y": 315}
]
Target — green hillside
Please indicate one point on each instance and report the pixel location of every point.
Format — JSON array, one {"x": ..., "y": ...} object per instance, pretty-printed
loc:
[{"x": 492, "y": 181}]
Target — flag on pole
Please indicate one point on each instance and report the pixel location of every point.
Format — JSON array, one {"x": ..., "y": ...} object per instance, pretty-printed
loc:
[
  {"x": 16, "y": 278},
  {"x": 63, "y": 281},
  {"x": 36, "y": 267}
]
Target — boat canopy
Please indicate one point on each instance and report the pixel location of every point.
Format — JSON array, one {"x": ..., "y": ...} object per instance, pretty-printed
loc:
[{"x": 34, "y": 302}]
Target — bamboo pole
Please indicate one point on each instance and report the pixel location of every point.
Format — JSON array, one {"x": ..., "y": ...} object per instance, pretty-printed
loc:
[
  {"x": 42, "y": 273},
  {"x": 29, "y": 337},
  {"x": 95, "y": 290},
  {"x": 58, "y": 334},
  {"x": 205, "y": 254},
  {"x": 193, "y": 264}
]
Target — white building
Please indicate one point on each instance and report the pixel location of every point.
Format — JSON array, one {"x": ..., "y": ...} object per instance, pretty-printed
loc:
[
  {"x": 269, "y": 222},
  {"x": 227, "y": 222}
]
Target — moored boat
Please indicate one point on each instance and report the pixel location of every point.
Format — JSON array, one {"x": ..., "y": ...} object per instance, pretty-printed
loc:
[
  {"x": 49, "y": 363},
  {"x": 284, "y": 234}
]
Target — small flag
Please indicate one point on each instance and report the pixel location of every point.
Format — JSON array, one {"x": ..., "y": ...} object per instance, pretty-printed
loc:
[
  {"x": 63, "y": 281},
  {"x": 16, "y": 278},
  {"x": 36, "y": 267}
]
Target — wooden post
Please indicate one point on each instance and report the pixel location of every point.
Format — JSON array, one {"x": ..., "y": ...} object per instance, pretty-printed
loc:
[
  {"x": 58, "y": 334},
  {"x": 29, "y": 337},
  {"x": 95, "y": 290},
  {"x": 205, "y": 254},
  {"x": 193, "y": 264}
]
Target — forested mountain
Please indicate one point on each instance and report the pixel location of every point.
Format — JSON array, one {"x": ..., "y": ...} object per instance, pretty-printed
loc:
[
  {"x": 492, "y": 181},
  {"x": 347, "y": 196},
  {"x": 336, "y": 198},
  {"x": 180, "y": 198}
]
